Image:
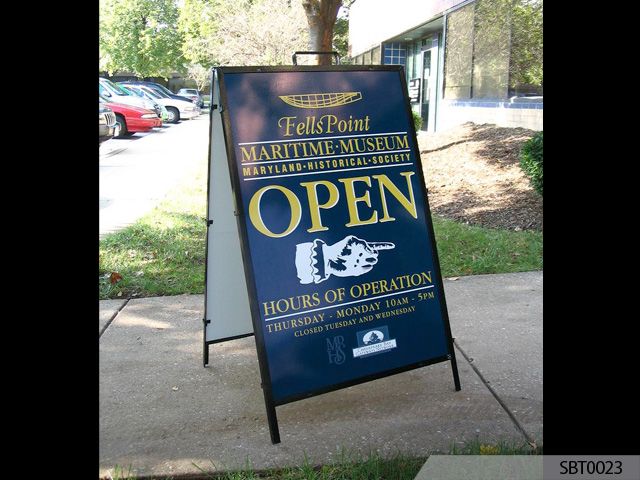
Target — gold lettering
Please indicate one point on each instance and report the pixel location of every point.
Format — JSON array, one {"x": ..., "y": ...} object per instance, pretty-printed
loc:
[
  {"x": 315, "y": 206},
  {"x": 248, "y": 156},
  {"x": 289, "y": 124},
  {"x": 408, "y": 204},
  {"x": 256, "y": 217},
  {"x": 352, "y": 201}
]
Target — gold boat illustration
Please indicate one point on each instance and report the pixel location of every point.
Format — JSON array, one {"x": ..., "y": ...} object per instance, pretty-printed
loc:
[{"x": 321, "y": 100}]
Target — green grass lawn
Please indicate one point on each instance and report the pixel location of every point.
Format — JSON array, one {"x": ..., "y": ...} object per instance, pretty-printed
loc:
[
  {"x": 350, "y": 466},
  {"x": 372, "y": 467},
  {"x": 164, "y": 252},
  {"x": 470, "y": 250}
]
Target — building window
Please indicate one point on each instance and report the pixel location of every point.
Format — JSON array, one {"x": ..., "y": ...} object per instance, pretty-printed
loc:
[
  {"x": 458, "y": 63},
  {"x": 375, "y": 56},
  {"x": 370, "y": 57},
  {"x": 411, "y": 63},
  {"x": 494, "y": 50},
  {"x": 525, "y": 61},
  {"x": 395, "y": 53}
]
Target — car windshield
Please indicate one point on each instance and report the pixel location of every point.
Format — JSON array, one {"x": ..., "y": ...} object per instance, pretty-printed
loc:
[
  {"x": 157, "y": 90},
  {"x": 144, "y": 94},
  {"x": 132, "y": 91},
  {"x": 117, "y": 89},
  {"x": 151, "y": 92},
  {"x": 164, "y": 89}
]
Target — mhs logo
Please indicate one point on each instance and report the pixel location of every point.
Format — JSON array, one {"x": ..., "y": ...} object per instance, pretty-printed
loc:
[{"x": 335, "y": 350}]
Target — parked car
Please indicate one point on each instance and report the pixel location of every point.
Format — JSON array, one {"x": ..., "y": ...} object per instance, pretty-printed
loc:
[
  {"x": 115, "y": 93},
  {"x": 181, "y": 109},
  {"x": 164, "y": 113},
  {"x": 155, "y": 86},
  {"x": 193, "y": 95},
  {"x": 159, "y": 89},
  {"x": 106, "y": 123},
  {"x": 131, "y": 119}
]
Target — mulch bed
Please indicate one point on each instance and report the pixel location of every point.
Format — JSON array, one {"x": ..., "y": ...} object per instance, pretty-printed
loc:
[{"x": 473, "y": 175}]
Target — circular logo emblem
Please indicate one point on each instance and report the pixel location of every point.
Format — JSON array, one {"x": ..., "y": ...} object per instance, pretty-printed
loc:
[{"x": 374, "y": 336}]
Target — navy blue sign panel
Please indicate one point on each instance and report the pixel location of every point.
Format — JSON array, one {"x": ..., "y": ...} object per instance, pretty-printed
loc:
[{"x": 335, "y": 224}]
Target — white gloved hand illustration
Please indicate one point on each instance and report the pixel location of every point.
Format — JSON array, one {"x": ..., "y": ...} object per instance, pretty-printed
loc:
[{"x": 350, "y": 257}]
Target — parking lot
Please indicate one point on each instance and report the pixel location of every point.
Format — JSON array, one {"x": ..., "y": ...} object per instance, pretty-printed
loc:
[{"x": 138, "y": 171}]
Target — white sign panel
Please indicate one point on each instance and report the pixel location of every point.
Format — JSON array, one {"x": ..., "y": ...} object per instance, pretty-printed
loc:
[{"x": 227, "y": 302}]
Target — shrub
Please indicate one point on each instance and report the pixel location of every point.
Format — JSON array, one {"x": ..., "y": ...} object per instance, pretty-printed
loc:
[
  {"x": 531, "y": 160},
  {"x": 417, "y": 120}
]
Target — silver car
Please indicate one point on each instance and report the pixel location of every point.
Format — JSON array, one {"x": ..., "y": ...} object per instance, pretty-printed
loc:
[
  {"x": 176, "y": 109},
  {"x": 115, "y": 93},
  {"x": 107, "y": 126},
  {"x": 193, "y": 95}
]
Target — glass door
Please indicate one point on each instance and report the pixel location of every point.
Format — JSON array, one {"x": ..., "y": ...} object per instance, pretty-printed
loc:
[
  {"x": 429, "y": 88},
  {"x": 426, "y": 88}
]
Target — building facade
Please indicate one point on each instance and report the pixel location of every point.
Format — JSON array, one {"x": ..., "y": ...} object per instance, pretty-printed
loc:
[{"x": 465, "y": 60}]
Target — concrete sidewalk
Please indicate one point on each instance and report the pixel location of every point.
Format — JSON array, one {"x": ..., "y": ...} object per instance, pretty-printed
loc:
[
  {"x": 162, "y": 413},
  {"x": 137, "y": 173}
]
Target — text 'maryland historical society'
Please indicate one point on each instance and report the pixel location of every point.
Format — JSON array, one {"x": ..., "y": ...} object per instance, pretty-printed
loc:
[{"x": 335, "y": 224}]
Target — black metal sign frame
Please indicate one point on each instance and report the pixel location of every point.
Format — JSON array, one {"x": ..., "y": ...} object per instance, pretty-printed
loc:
[{"x": 270, "y": 403}]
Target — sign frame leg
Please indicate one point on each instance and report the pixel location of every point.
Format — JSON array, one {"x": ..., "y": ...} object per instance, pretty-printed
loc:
[
  {"x": 272, "y": 419},
  {"x": 205, "y": 354},
  {"x": 454, "y": 368}
]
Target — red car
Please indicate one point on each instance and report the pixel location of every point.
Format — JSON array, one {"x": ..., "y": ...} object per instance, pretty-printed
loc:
[{"x": 132, "y": 119}]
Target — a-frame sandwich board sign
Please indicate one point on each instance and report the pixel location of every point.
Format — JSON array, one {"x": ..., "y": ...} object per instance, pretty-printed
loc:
[{"x": 341, "y": 269}]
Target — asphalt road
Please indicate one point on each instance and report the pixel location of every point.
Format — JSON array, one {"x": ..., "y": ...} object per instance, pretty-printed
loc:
[{"x": 137, "y": 172}]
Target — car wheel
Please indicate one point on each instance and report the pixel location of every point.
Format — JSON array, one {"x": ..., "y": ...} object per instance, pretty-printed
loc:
[
  {"x": 174, "y": 115},
  {"x": 120, "y": 121}
]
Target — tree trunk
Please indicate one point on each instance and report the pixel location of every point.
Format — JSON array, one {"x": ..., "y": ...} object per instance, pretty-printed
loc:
[{"x": 321, "y": 15}]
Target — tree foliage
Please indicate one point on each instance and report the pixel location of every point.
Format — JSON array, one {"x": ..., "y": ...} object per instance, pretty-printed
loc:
[
  {"x": 140, "y": 36},
  {"x": 198, "y": 24},
  {"x": 341, "y": 32},
  {"x": 155, "y": 37},
  {"x": 200, "y": 75},
  {"x": 341, "y": 38},
  {"x": 242, "y": 32}
]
